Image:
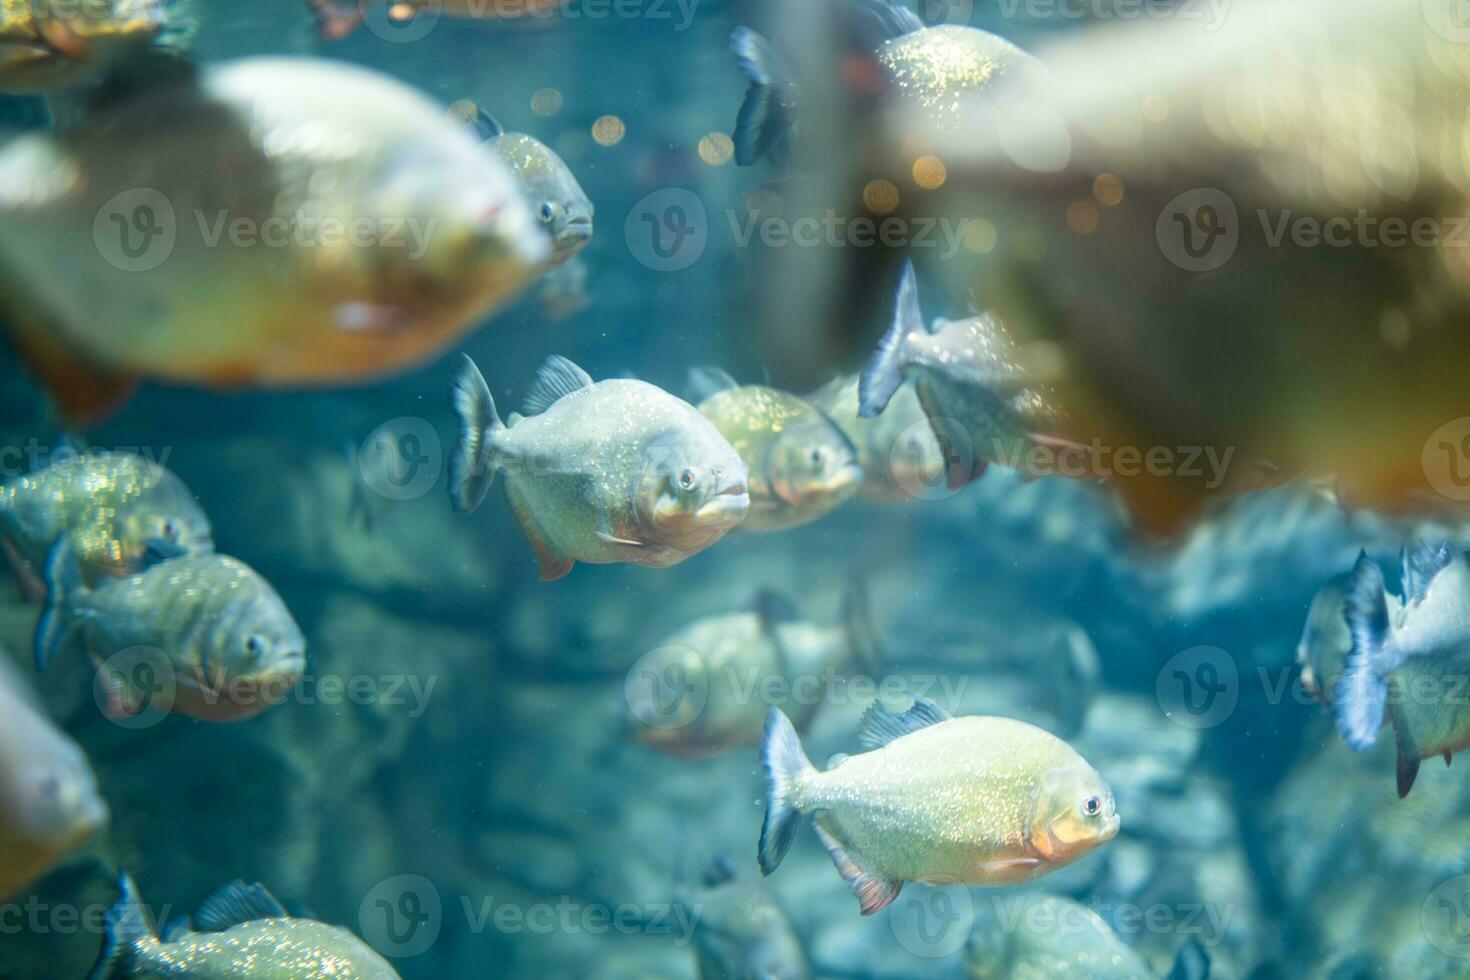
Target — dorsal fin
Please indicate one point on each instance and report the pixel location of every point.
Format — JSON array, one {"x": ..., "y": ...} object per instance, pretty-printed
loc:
[
  {"x": 773, "y": 608},
  {"x": 1421, "y": 564},
  {"x": 705, "y": 381},
  {"x": 881, "y": 726},
  {"x": 238, "y": 903},
  {"x": 556, "y": 379},
  {"x": 719, "y": 872},
  {"x": 475, "y": 119}
]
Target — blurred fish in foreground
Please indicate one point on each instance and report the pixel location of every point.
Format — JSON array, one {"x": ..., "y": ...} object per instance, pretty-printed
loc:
[
  {"x": 240, "y": 931},
  {"x": 739, "y": 930},
  {"x": 1049, "y": 936},
  {"x": 120, "y": 509},
  {"x": 52, "y": 44},
  {"x": 599, "y": 472},
  {"x": 49, "y": 802},
  {"x": 940, "y": 800},
  {"x": 1204, "y": 236},
  {"x": 269, "y": 221},
  {"x": 203, "y": 636},
  {"x": 744, "y": 659},
  {"x": 1411, "y": 668},
  {"x": 801, "y": 464}
]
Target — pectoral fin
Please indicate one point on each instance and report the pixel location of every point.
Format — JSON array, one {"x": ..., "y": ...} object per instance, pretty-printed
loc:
[
  {"x": 553, "y": 565},
  {"x": 873, "y": 891},
  {"x": 1408, "y": 770},
  {"x": 610, "y": 539}
]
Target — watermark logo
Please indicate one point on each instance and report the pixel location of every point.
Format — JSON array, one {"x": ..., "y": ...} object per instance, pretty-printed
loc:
[
  {"x": 1445, "y": 917},
  {"x": 400, "y": 22},
  {"x": 1198, "y": 688},
  {"x": 1446, "y": 459},
  {"x": 401, "y": 458},
  {"x": 932, "y": 459},
  {"x": 667, "y": 687},
  {"x": 135, "y": 688},
  {"x": 1198, "y": 231},
  {"x": 933, "y": 922},
  {"x": 668, "y": 230},
  {"x": 402, "y": 916},
  {"x": 135, "y": 230},
  {"x": 940, "y": 12},
  {"x": 1450, "y": 19}
]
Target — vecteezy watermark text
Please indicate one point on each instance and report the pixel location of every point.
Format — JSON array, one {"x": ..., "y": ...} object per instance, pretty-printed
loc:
[
  {"x": 1097, "y": 461},
  {"x": 833, "y": 230}
]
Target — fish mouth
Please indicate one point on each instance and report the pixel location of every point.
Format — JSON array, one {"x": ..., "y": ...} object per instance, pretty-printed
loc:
[
  {"x": 730, "y": 505},
  {"x": 574, "y": 234}
]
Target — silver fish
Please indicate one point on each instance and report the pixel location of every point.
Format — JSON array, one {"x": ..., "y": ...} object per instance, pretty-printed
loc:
[
  {"x": 941, "y": 800},
  {"x": 612, "y": 471},
  {"x": 899, "y": 454},
  {"x": 241, "y": 931},
  {"x": 204, "y": 630}
]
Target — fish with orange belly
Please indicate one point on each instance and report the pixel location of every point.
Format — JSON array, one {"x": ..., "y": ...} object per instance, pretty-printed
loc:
[
  {"x": 265, "y": 222},
  {"x": 940, "y": 800}
]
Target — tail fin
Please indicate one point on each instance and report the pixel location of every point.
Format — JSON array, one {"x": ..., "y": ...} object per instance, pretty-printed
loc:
[
  {"x": 785, "y": 764},
  {"x": 63, "y": 581},
  {"x": 1362, "y": 693},
  {"x": 126, "y": 924},
  {"x": 765, "y": 115},
  {"x": 472, "y": 467},
  {"x": 884, "y": 372},
  {"x": 857, "y": 620}
]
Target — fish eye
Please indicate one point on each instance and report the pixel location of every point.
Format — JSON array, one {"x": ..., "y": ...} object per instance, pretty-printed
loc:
[
  {"x": 549, "y": 211},
  {"x": 818, "y": 456},
  {"x": 171, "y": 529},
  {"x": 1092, "y": 806},
  {"x": 687, "y": 479},
  {"x": 255, "y": 645}
]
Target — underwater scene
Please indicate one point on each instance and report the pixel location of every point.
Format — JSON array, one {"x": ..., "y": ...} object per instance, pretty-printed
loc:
[{"x": 734, "y": 489}]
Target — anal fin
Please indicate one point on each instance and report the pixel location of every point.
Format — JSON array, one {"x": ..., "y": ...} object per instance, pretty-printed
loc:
[
  {"x": 1408, "y": 770},
  {"x": 873, "y": 891},
  {"x": 553, "y": 565}
]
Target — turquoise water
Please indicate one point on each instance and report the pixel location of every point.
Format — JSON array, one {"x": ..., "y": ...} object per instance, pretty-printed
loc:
[{"x": 486, "y": 775}]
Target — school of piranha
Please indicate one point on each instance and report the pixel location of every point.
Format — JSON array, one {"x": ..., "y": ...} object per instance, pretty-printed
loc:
[{"x": 117, "y": 555}]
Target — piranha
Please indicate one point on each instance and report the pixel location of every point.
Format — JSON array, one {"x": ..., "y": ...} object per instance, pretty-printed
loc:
[
  {"x": 740, "y": 655},
  {"x": 553, "y": 194},
  {"x": 983, "y": 405},
  {"x": 49, "y": 803},
  {"x": 203, "y": 635},
  {"x": 1413, "y": 667},
  {"x": 241, "y": 931},
  {"x": 612, "y": 471},
  {"x": 1057, "y": 937},
  {"x": 47, "y": 45},
  {"x": 940, "y": 800},
  {"x": 333, "y": 23},
  {"x": 327, "y": 222},
  {"x": 897, "y": 449},
  {"x": 122, "y": 511},
  {"x": 1322, "y": 652},
  {"x": 739, "y": 931},
  {"x": 933, "y": 69},
  {"x": 802, "y": 465}
]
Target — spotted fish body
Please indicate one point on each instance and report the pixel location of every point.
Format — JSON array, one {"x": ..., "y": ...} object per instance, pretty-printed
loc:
[
  {"x": 612, "y": 471},
  {"x": 897, "y": 450},
  {"x": 940, "y": 68},
  {"x": 983, "y": 405},
  {"x": 245, "y": 933},
  {"x": 208, "y": 628},
  {"x": 115, "y": 506},
  {"x": 941, "y": 800},
  {"x": 554, "y": 195},
  {"x": 802, "y": 465}
]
